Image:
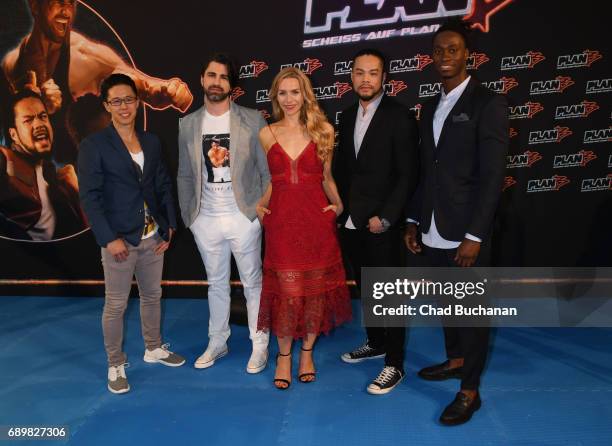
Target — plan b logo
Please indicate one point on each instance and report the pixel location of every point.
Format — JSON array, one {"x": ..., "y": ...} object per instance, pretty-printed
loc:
[
  {"x": 554, "y": 183},
  {"x": 528, "y": 60},
  {"x": 601, "y": 135},
  {"x": 335, "y": 91},
  {"x": 525, "y": 111},
  {"x": 236, "y": 93},
  {"x": 580, "y": 159},
  {"x": 525, "y": 159},
  {"x": 308, "y": 66},
  {"x": 253, "y": 69},
  {"x": 343, "y": 67},
  {"x": 508, "y": 183},
  {"x": 416, "y": 63},
  {"x": 475, "y": 60},
  {"x": 545, "y": 136},
  {"x": 262, "y": 96},
  {"x": 599, "y": 86},
  {"x": 392, "y": 88},
  {"x": 584, "y": 59},
  {"x": 582, "y": 110},
  {"x": 596, "y": 184},
  {"x": 427, "y": 90},
  {"x": 502, "y": 86},
  {"x": 556, "y": 85}
]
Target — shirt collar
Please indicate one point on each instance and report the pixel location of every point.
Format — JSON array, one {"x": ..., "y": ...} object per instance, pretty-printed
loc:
[
  {"x": 455, "y": 92},
  {"x": 372, "y": 106}
]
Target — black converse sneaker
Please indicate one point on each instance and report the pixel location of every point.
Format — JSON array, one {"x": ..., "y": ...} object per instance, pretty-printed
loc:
[
  {"x": 386, "y": 380},
  {"x": 362, "y": 353}
]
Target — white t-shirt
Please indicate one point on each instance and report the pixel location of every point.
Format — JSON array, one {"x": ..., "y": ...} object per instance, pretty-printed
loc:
[
  {"x": 45, "y": 226},
  {"x": 217, "y": 193},
  {"x": 150, "y": 227}
]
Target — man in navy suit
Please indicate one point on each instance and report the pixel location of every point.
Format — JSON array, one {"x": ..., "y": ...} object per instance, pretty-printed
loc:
[
  {"x": 127, "y": 196},
  {"x": 464, "y": 141}
]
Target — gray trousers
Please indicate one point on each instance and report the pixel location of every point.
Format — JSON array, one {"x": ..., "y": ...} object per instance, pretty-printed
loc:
[{"x": 147, "y": 266}]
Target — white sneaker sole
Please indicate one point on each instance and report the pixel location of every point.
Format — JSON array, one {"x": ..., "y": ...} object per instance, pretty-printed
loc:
[
  {"x": 161, "y": 361},
  {"x": 118, "y": 392},
  {"x": 374, "y": 390},
  {"x": 254, "y": 370},
  {"x": 346, "y": 358},
  {"x": 205, "y": 365}
]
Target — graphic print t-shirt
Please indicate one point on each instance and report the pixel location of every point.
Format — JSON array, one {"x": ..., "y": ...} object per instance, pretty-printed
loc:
[
  {"x": 150, "y": 226},
  {"x": 217, "y": 193}
]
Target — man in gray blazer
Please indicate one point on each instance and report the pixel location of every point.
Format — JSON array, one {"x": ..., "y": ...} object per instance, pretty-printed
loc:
[{"x": 222, "y": 173}]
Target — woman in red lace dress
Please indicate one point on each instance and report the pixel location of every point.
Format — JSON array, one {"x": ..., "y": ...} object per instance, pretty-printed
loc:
[{"x": 304, "y": 285}]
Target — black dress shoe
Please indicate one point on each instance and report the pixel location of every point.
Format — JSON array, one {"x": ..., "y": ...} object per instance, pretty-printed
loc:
[
  {"x": 460, "y": 410},
  {"x": 440, "y": 372}
]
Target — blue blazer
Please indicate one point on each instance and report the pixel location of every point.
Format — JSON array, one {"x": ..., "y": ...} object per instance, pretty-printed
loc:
[{"x": 113, "y": 194}]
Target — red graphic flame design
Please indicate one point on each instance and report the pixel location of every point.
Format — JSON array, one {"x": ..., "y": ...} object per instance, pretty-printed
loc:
[
  {"x": 342, "y": 88},
  {"x": 564, "y": 82},
  {"x": 264, "y": 113},
  {"x": 423, "y": 61},
  {"x": 536, "y": 58},
  {"x": 532, "y": 157},
  {"x": 509, "y": 83},
  {"x": 513, "y": 132},
  {"x": 562, "y": 132},
  {"x": 534, "y": 107},
  {"x": 476, "y": 59},
  {"x": 396, "y": 87},
  {"x": 560, "y": 181},
  {"x": 592, "y": 56},
  {"x": 587, "y": 157},
  {"x": 313, "y": 64},
  {"x": 482, "y": 10},
  {"x": 236, "y": 93},
  {"x": 589, "y": 107},
  {"x": 508, "y": 182}
]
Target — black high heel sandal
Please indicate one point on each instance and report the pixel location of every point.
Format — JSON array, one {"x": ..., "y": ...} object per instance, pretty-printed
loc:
[
  {"x": 282, "y": 380},
  {"x": 303, "y": 376}
]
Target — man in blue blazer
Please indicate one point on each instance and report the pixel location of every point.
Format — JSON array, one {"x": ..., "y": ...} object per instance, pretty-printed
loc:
[{"x": 127, "y": 196}]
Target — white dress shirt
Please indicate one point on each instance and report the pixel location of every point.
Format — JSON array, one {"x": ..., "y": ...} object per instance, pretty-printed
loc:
[
  {"x": 432, "y": 237},
  {"x": 362, "y": 122}
]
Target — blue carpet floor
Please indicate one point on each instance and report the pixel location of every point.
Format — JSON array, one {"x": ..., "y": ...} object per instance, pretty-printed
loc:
[{"x": 541, "y": 386}]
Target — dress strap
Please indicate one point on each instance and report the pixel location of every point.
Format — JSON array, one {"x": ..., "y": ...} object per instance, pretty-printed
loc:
[{"x": 273, "y": 135}]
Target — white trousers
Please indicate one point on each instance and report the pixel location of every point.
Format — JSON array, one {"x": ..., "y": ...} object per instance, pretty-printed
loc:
[{"x": 217, "y": 238}]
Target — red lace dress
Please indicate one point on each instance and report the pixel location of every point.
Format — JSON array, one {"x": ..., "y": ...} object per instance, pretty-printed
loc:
[{"x": 304, "y": 284}]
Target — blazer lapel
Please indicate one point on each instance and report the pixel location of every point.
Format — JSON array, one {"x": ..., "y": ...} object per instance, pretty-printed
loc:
[
  {"x": 197, "y": 126},
  {"x": 467, "y": 93},
  {"x": 122, "y": 150},
  {"x": 235, "y": 137},
  {"x": 371, "y": 130},
  {"x": 146, "y": 150},
  {"x": 349, "y": 125}
]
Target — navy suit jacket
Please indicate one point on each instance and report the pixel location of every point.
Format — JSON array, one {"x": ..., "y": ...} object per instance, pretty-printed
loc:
[
  {"x": 112, "y": 193},
  {"x": 462, "y": 177}
]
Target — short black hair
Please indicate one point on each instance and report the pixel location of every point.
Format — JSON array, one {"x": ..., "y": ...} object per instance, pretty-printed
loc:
[
  {"x": 456, "y": 25},
  {"x": 372, "y": 52},
  {"x": 10, "y": 110},
  {"x": 116, "y": 79},
  {"x": 223, "y": 59}
]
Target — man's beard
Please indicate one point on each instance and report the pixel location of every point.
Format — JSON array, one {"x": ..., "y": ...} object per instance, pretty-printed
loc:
[
  {"x": 216, "y": 97},
  {"x": 369, "y": 96}
]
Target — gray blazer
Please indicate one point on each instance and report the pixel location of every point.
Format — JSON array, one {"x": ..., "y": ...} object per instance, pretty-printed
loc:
[{"x": 248, "y": 163}]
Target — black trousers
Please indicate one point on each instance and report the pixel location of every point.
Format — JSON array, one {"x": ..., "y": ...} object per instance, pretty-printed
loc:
[
  {"x": 365, "y": 249},
  {"x": 469, "y": 343}
]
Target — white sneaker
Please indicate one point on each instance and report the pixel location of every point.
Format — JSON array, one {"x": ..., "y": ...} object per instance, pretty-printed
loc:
[
  {"x": 164, "y": 356},
  {"x": 209, "y": 357},
  {"x": 117, "y": 380},
  {"x": 258, "y": 360}
]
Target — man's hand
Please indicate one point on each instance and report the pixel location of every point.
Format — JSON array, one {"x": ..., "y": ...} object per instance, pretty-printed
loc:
[
  {"x": 68, "y": 176},
  {"x": 375, "y": 225},
  {"x": 262, "y": 211},
  {"x": 118, "y": 250},
  {"x": 333, "y": 207},
  {"x": 52, "y": 96},
  {"x": 411, "y": 239},
  {"x": 164, "y": 93},
  {"x": 164, "y": 245},
  {"x": 467, "y": 252}
]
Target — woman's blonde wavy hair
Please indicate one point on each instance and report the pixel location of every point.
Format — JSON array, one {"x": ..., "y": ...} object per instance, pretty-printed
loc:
[{"x": 311, "y": 115}]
